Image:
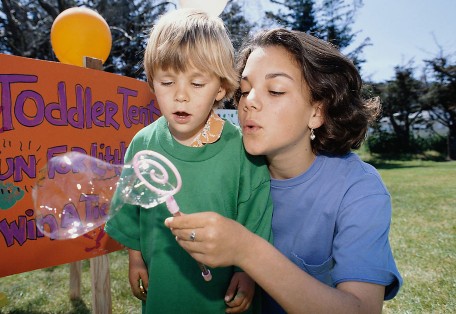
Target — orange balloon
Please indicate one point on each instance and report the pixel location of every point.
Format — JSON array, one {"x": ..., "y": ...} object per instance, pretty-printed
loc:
[{"x": 80, "y": 32}]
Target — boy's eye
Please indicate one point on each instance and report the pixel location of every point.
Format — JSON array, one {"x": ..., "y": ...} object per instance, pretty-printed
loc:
[
  {"x": 198, "y": 85},
  {"x": 166, "y": 83}
]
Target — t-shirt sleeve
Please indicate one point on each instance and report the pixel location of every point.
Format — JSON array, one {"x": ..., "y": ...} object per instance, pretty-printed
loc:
[
  {"x": 361, "y": 248},
  {"x": 255, "y": 203},
  {"x": 124, "y": 228},
  {"x": 255, "y": 207}
]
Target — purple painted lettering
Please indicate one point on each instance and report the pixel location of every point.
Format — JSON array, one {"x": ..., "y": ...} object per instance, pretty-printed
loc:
[
  {"x": 7, "y": 103},
  {"x": 60, "y": 108},
  {"x": 49, "y": 222},
  {"x": 76, "y": 114},
  {"x": 126, "y": 93},
  {"x": 19, "y": 108},
  {"x": 111, "y": 110},
  {"x": 16, "y": 166},
  {"x": 70, "y": 216},
  {"x": 14, "y": 231}
]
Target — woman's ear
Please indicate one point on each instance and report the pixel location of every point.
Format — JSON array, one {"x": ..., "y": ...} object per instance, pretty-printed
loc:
[{"x": 316, "y": 119}]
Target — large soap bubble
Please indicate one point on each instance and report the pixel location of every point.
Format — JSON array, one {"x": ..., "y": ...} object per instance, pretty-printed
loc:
[
  {"x": 72, "y": 195},
  {"x": 74, "y": 191}
]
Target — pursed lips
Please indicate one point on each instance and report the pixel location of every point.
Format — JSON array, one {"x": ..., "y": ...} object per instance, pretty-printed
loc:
[{"x": 250, "y": 126}]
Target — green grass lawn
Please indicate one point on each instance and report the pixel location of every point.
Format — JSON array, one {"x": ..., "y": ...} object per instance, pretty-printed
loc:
[
  {"x": 423, "y": 238},
  {"x": 423, "y": 234},
  {"x": 47, "y": 290}
]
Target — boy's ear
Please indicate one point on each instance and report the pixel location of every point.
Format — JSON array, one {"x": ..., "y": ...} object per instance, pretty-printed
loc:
[
  {"x": 221, "y": 93},
  {"x": 316, "y": 119}
]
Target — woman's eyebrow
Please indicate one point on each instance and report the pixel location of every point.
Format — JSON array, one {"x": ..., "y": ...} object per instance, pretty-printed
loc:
[
  {"x": 271, "y": 76},
  {"x": 278, "y": 74}
]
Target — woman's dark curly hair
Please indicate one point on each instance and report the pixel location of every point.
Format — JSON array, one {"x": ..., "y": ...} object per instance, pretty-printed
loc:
[{"x": 334, "y": 82}]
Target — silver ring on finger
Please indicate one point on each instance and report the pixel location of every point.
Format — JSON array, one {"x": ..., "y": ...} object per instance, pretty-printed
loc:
[{"x": 193, "y": 236}]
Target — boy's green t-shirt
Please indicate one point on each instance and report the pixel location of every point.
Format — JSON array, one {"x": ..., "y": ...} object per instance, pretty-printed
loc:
[{"x": 218, "y": 177}]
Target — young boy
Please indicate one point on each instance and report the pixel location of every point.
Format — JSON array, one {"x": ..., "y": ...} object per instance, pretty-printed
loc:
[{"x": 189, "y": 65}]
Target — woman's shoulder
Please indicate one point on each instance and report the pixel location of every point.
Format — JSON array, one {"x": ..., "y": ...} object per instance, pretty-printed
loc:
[
  {"x": 349, "y": 163},
  {"x": 354, "y": 171}
]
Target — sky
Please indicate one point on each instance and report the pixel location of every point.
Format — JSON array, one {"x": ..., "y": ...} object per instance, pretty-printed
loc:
[
  {"x": 404, "y": 30},
  {"x": 400, "y": 31}
]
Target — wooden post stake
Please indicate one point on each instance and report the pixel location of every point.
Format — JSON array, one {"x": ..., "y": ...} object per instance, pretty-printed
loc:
[
  {"x": 75, "y": 280},
  {"x": 101, "y": 285}
]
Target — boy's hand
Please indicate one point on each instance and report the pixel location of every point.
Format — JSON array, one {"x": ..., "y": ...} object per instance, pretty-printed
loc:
[
  {"x": 138, "y": 276},
  {"x": 240, "y": 293}
]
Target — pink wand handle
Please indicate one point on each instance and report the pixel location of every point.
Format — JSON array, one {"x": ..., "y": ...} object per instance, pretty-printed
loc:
[{"x": 174, "y": 210}]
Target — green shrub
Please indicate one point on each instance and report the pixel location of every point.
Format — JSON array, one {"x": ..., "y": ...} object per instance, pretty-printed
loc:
[{"x": 388, "y": 145}]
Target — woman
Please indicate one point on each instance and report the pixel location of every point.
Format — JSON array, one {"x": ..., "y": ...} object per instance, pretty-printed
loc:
[{"x": 300, "y": 105}]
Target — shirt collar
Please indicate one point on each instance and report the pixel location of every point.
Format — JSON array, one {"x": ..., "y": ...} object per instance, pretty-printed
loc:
[{"x": 211, "y": 131}]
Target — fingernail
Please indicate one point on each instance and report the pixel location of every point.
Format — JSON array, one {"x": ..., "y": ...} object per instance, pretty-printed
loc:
[{"x": 168, "y": 221}]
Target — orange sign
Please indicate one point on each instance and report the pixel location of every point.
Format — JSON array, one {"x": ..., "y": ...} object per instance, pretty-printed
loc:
[{"x": 47, "y": 109}]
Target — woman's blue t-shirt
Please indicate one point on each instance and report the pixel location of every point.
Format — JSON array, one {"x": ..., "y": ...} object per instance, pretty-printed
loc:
[{"x": 333, "y": 222}]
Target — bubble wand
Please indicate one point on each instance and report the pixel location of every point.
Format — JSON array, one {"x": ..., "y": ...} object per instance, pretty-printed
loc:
[{"x": 140, "y": 163}]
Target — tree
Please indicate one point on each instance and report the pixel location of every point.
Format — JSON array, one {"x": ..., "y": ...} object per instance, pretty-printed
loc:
[
  {"x": 331, "y": 21},
  {"x": 26, "y": 25},
  {"x": 335, "y": 26},
  {"x": 335, "y": 23},
  {"x": 236, "y": 23},
  {"x": 130, "y": 23},
  {"x": 441, "y": 97},
  {"x": 401, "y": 104},
  {"x": 299, "y": 15}
]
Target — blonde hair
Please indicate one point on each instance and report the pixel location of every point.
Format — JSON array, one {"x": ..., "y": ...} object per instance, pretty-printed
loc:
[{"x": 186, "y": 37}]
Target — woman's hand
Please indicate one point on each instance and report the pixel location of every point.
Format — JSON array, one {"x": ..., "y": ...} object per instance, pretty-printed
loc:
[{"x": 217, "y": 241}]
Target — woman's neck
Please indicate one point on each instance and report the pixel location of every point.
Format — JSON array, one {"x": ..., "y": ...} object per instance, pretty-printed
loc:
[{"x": 287, "y": 166}]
